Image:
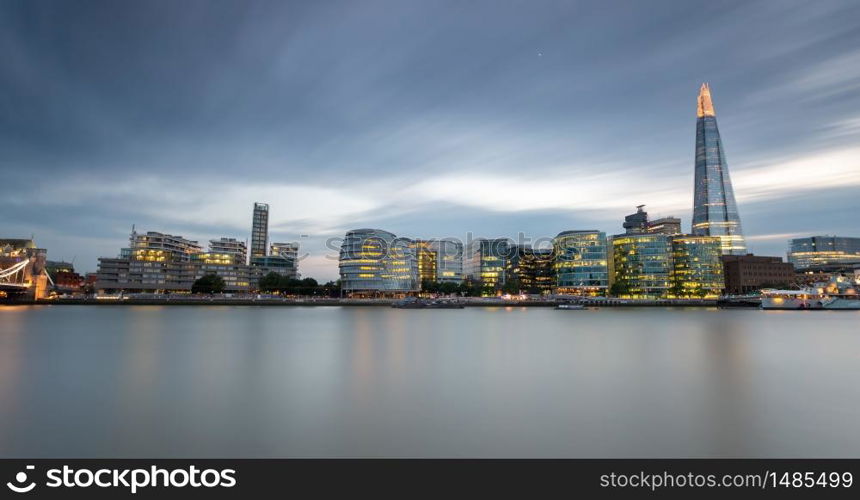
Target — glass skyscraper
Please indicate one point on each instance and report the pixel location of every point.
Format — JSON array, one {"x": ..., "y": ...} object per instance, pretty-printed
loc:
[
  {"x": 259, "y": 230},
  {"x": 715, "y": 212}
]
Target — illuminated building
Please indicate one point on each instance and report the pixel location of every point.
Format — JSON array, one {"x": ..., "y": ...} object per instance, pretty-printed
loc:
[
  {"x": 259, "y": 230},
  {"x": 236, "y": 276},
  {"x": 823, "y": 251},
  {"x": 532, "y": 269},
  {"x": 750, "y": 273},
  {"x": 581, "y": 263},
  {"x": 425, "y": 253},
  {"x": 288, "y": 250},
  {"x": 160, "y": 247},
  {"x": 485, "y": 262},
  {"x": 697, "y": 271},
  {"x": 232, "y": 249},
  {"x": 449, "y": 260},
  {"x": 63, "y": 275},
  {"x": 641, "y": 265},
  {"x": 665, "y": 225},
  {"x": 376, "y": 262},
  {"x": 715, "y": 212},
  {"x": 160, "y": 262}
]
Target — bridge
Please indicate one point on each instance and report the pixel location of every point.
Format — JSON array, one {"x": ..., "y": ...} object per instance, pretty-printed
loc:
[{"x": 23, "y": 275}]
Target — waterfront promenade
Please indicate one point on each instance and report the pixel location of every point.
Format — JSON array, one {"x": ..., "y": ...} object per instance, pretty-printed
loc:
[{"x": 322, "y": 302}]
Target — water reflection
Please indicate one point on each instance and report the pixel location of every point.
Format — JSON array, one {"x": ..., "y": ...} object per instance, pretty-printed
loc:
[{"x": 376, "y": 382}]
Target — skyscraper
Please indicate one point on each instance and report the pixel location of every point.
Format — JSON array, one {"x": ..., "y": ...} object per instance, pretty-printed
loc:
[
  {"x": 715, "y": 212},
  {"x": 259, "y": 230}
]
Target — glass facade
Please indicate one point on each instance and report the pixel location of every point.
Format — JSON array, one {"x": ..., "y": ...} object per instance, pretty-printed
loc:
[
  {"x": 374, "y": 261},
  {"x": 697, "y": 268},
  {"x": 715, "y": 212},
  {"x": 817, "y": 251},
  {"x": 259, "y": 230},
  {"x": 427, "y": 257},
  {"x": 486, "y": 261},
  {"x": 532, "y": 269},
  {"x": 580, "y": 263},
  {"x": 642, "y": 264},
  {"x": 449, "y": 263}
]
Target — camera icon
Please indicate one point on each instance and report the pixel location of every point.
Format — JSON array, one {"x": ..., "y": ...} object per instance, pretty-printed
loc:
[{"x": 20, "y": 479}]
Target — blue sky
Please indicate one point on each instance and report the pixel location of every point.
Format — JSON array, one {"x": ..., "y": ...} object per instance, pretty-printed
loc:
[{"x": 428, "y": 119}]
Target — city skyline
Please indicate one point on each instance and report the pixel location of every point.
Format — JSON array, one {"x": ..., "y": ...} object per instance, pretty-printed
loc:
[{"x": 411, "y": 137}]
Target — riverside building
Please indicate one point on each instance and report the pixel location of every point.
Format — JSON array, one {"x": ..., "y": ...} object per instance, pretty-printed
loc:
[
  {"x": 485, "y": 262},
  {"x": 657, "y": 262},
  {"x": 715, "y": 212},
  {"x": 749, "y": 273},
  {"x": 228, "y": 251},
  {"x": 427, "y": 257},
  {"x": 580, "y": 262},
  {"x": 449, "y": 260},
  {"x": 374, "y": 262},
  {"x": 697, "y": 271},
  {"x": 532, "y": 269},
  {"x": 642, "y": 264},
  {"x": 161, "y": 262},
  {"x": 823, "y": 251}
]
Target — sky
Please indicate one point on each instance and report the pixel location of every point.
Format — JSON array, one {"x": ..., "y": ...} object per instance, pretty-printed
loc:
[{"x": 426, "y": 119}]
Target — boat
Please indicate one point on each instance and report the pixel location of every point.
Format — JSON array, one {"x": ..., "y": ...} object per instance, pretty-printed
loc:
[
  {"x": 570, "y": 307},
  {"x": 839, "y": 294},
  {"x": 416, "y": 303}
]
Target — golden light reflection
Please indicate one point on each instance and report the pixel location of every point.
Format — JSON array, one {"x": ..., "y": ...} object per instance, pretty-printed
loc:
[{"x": 706, "y": 106}]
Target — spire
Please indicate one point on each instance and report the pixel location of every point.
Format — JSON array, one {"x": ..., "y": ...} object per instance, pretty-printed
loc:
[{"x": 706, "y": 107}]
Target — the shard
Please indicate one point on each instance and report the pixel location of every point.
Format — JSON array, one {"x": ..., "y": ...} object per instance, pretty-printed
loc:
[{"x": 715, "y": 212}]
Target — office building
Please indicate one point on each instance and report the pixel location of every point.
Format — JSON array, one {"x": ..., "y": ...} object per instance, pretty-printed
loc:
[
  {"x": 581, "y": 262},
  {"x": 259, "y": 230},
  {"x": 375, "y": 262},
  {"x": 641, "y": 265},
  {"x": 665, "y": 225},
  {"x": 637, "y": 222},
  {"x": 715, "y": 212},
  {"x": 485, "y": 262},
  {"x": 818, "y": 252},
  {"x": 750, "y": 273},
  {"x": 449, "y": 260},
  {"x": 697, "y": 271},
  {"x": 531, "y": 269},
  {"x": 426, "y": 254}
]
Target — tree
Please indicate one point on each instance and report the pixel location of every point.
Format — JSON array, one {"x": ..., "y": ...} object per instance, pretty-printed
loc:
[
  {"x": 429, "y": 286},
  {"x": 619, "y": 288},
  {"x": 270, "y": 282},
  {"x": 211, "y": 283},
  {"x": 511, "y": 286}
]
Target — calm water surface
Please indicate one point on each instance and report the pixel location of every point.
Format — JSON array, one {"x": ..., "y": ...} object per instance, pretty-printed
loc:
[{"x": 219, "y": 381}]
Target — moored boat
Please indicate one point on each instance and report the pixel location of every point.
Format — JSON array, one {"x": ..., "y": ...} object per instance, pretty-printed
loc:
[
  {"x": 570, "y": 307},
  {"x": 839, "y": 294}
]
